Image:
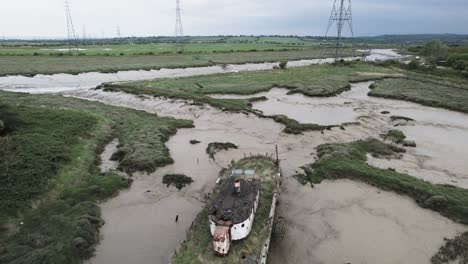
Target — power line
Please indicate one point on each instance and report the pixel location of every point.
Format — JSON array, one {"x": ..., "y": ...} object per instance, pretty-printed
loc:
[{"x": 179, "y": 30}]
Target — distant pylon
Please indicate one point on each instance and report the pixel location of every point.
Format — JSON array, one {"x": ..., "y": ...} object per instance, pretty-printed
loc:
[
  {"x": 70, "y": 28},
  {"x": 179, "y": 30},
  {"x": 341, "y": 16},
  {"x": 119, "y": 34},
  {"x": 84, "y": 34}
]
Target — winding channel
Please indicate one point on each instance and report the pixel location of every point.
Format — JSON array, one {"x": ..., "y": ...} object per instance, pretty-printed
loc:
[{"x": 323, "y": 223}]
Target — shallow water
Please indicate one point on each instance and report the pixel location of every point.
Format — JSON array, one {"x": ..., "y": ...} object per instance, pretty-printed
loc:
[
  {"x": 302, "y": 108},
  {"x": 440, "y": 134}
]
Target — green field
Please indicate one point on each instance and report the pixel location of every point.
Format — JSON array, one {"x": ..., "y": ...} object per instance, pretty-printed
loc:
[
  {"x": 50, "y": 181},
  {"x": 111, "y": 55},
  {"x": 348, "y": 161}
]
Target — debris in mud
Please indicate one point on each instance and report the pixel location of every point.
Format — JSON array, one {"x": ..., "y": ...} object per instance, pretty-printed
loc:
[
  {"x": 385, "y": 112},
  {"x": 436, "y": 202},
  {"x": 216, "y": 147},
  {"x": 194, "y": 142},
  {"x": 301, "y": 178},
  {"x": 396, "y": 118},
  {"x": 178, "y": 180}
]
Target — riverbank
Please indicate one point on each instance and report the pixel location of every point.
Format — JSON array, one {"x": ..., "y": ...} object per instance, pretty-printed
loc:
[{"x": 51, "y": 147}]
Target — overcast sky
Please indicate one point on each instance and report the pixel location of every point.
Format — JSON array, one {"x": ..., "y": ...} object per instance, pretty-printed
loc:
[{"x": 46, "y": 18}]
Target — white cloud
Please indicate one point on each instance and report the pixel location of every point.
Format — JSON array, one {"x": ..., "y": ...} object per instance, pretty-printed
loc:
[{"x": 210, "y": 17}]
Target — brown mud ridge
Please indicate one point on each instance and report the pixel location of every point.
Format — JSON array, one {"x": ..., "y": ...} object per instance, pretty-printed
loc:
[{"x": 327, "y": 219}]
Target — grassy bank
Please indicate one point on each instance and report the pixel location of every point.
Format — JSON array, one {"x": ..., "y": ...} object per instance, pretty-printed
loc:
[
  {"x": 32, "y": 65},
  {"x": 50, "y": 149},
  {"x": 424, "y": 91},
  {"x": 314, "y": 80},
  {"x": 348, "y": 161},
  {"x": 216, "y": 147},
  {"x": 197, "y": 247}
]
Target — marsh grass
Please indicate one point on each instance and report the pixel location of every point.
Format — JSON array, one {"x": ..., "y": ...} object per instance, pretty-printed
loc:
[
  {"x": 51, "y": 147},
  {"x": 178, "y": 180},
  {"x": 424, "y": 91},
  {"x": 216, "y": 147}
]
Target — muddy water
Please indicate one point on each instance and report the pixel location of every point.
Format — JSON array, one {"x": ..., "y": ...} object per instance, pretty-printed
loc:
[
  {"x": 350, "y": 222},
  {"x": 67, "y": 82},
  {"x": 135, "y": 215},
  {"x": 303, "y": 109},
  {"x": 440, "y": 134}
]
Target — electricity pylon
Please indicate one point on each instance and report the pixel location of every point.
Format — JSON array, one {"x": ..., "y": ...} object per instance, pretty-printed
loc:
[
  {"x": 179, "y": 30},
  {"x": 70, "y": 28},
  {"x": 341, "y": 17}
]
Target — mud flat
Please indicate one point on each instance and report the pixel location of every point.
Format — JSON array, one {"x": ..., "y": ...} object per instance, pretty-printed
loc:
[
  {"x": 440, "y": 134},
  {"x": 255, "y": 135},
  {"x": 350, "y": 222}
]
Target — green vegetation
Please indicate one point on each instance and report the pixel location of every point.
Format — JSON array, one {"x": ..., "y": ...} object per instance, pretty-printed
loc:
[
  {"x": 348, "y": 161},
  {"x": 395, "y": 135},
  {"x": 453, "y": 250},
  {"x": 424, "y": 91},
  {"x": 51, "y": 182},
  {"x": 435, "y": 51},
  {"x": 178, "y": 180},
  {"x": 39, "y": 141},
  {"x": 32, "y": 65},
  {"x": 196, "y": 249},
  {"x": 398, "y": 137},
  {"x": 216, "y": 147}
]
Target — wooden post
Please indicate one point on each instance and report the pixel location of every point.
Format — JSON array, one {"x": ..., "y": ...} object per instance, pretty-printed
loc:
[{"x": 277, "y": 156}]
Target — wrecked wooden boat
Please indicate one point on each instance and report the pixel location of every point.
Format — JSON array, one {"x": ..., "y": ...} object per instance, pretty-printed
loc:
[
  {"x": 236, "y": 224},
  {"x": 233, "y": 211}
]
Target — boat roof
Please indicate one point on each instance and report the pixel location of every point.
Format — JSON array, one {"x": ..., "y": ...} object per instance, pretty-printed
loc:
[{"x": 233, "y": 206}]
